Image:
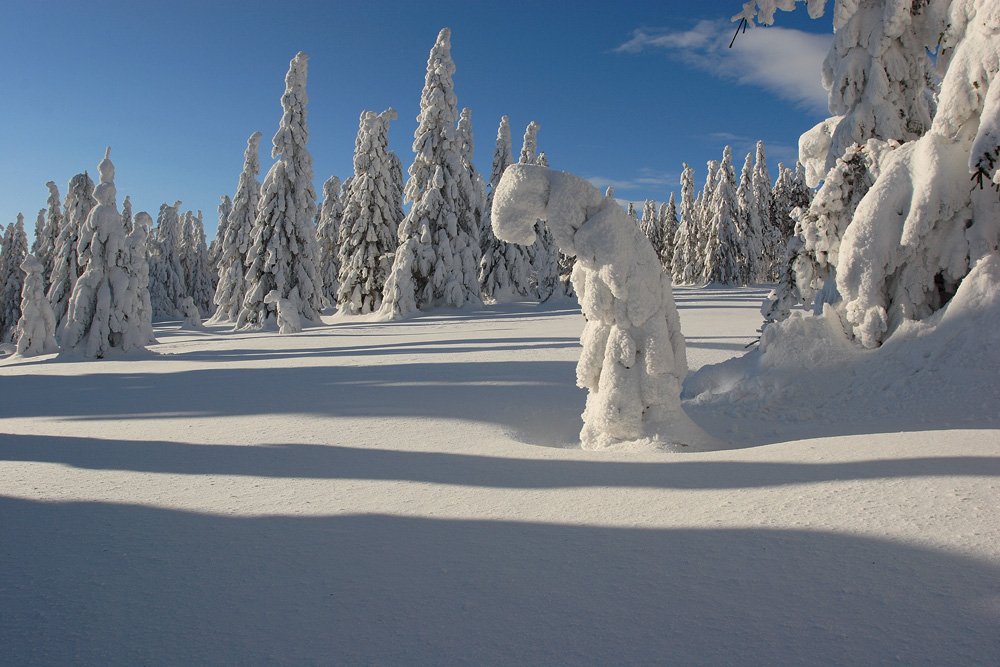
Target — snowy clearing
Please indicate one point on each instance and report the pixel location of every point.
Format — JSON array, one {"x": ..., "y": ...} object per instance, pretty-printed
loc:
[{"x": 414, "y": 493}]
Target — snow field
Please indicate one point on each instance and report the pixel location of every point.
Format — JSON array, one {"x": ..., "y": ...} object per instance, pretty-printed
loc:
[{"x": 414, "y": 493}]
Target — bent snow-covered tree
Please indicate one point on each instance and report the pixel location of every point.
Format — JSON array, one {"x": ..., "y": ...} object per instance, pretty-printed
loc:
[
  {"x": 633, "y": 360},
  {"x": 922, "y": 226},
  {"x": 284, "y": 288}
]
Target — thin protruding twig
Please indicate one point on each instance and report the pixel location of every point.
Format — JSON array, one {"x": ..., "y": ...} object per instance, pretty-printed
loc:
[{"x": 743, "y": 24}]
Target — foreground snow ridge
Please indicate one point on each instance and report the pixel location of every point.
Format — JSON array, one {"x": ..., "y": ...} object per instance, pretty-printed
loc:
[{"x": 633, "y": 360}]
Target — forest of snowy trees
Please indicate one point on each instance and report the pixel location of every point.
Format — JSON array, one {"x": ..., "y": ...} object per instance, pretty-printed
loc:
[{"x": 877, "y": 220}]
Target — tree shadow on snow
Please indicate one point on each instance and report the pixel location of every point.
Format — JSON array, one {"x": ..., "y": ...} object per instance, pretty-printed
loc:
[
  {"x": 96, "y": 583},
  {"x": 536, "y": 400},
  {"x": 341, "y": 461}
]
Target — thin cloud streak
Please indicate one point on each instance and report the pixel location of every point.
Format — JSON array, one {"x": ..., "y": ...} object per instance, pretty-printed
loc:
[{"x": 786, "y": 62}]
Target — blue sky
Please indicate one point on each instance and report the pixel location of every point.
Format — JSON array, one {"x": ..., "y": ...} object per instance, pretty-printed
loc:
[{"x": 625, "y": 92}]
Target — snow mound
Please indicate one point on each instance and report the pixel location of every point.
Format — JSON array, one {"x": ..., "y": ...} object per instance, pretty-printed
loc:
[{"x": 932, "y": 373}]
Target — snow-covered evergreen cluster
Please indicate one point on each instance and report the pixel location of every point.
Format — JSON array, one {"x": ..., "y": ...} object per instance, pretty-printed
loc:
[
  {"x": 897, "y": 226},
  {"x": 734, "y": 231}
]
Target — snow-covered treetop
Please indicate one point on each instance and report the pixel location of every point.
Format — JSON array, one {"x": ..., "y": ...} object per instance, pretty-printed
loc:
[
  {"x": 502, "y": 156},
  {"x": 529, "y": 149},
  {"x": 53, "y": 200},
  {"x": 437, "y": 117},
  {"x": 293, "y": 130},
  {"x": 468, "y": 144},
  {"x": 105, "y": 191}
]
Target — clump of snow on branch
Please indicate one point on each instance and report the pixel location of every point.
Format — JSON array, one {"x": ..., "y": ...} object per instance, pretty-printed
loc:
[{"x": 633, "y": 359}]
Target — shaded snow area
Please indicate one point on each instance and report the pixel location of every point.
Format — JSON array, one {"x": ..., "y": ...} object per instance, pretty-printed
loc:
[{"x": 414, "y": 493}]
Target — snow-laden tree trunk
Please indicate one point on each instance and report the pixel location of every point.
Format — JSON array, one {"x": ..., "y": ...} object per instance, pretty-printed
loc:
[
  {"x": 633, "y": 360},
  {"x": 284, "y": 256}
]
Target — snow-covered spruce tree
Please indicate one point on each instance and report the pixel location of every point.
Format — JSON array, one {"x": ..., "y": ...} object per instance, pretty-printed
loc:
[
  {"x": 505, "y": 268},
  {"x": 919, "y": 231},
  {"x": 529, "y": 145},
  {"x": 668, "y": 228},
  {"x": 650, "y": 225},
  {"x": 633, "y": 359},
  {"x": 370, "y": 221},
  {"x": 472, "y": 185},
  {"x": 36, "y": 329},
  {"x": 137, "y": 252},
  {"x": 46, "y": 250},
  {"x": 722, "y": 242},
  {"x": 197, "y": 270},
  {"x": 15, "y": 249},
  {"x": 543, "y": 254},
  {"x": 167, "y": 286},
  {"x": 39, "y": 231},
  {"x": 813, "y": 253},
  {"x": 773, "y": 247},
  {"x": 685, "y": 238},
  {"x": 438, "y": 257},
  {"x": 105, "y": 308},
  {"x": 751, "y": 266},
  {"x": 215, "y": 247},
  {"x": 127, "y": 215},
  {"x": 284, "y": 256},
  {"x": 328, "y": 217},
  {"x": 781, "y": 203},
  {"x": 66, "y": 266},
  {"x": 632, "y": 214},
  {"x": 232, "y": 265}
]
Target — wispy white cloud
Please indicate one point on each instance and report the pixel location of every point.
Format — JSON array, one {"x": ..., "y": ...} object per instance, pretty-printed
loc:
[
  {"x": 786, "y": 62},
  {"x": 647, "y": 179}
]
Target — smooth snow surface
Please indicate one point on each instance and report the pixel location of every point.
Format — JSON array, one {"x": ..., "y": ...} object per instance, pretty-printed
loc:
[{"x": 414, "y": 493}]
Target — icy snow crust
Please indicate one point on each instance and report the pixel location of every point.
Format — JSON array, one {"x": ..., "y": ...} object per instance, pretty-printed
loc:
[
  {"x": 633, "y": 359},
  {"x": 389, "y": 499}
]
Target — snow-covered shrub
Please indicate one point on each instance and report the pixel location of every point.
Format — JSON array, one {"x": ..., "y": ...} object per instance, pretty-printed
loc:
[{"x": 633, "y": 359}]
